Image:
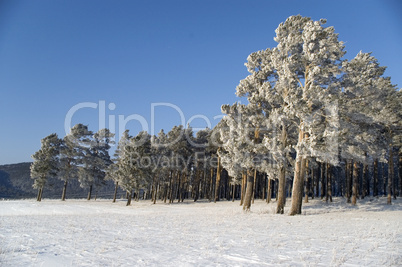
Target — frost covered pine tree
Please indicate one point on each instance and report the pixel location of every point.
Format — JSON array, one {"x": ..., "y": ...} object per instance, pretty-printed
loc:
[
  {"x": 160, "y": 154},
  {"x": 243, "y": 143},
  {"x": 308, "y": 59},
  {"x": 299, "y": 79},
  {"x": 71, "y": 152},
  {"x": 267, "y": 95},
  {"x": 113, "y": 171},
  {"x": 46, "y": 162},
  {"x": 221, "y": 137},
  {"x": 135, "y": 164},
  {"x": 370, "y": 114},
  {"x": 95, "y": 160}
]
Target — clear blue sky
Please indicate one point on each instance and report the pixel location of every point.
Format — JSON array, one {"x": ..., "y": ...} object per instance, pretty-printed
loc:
[{"x": 57, "y": 54}]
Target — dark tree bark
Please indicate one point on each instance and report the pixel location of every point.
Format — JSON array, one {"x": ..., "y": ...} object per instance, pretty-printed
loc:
[
  {"x": 269, "y": 195},
  {"x": 329, "y": 183},
  {"x": 129, "y": 194},
  {"x": 243, "y": 188},
  {"x": 307, "y": 183},
  {"x": 210, "y": 184},
  {"x": 298, "y": 186},
  {"x": 156, "y": 192},
  {"x": 280, "y": 209},
  {"x": 390, "y": 173},
  {"x": 218, "y": 180},
  {"x": 375, "y": 178},
  {"x": 355, "y": 187},
  {"x": 171, "y": 187},
  {"x": 63, "y": 195},
  {"x": 298, "y": 181},
  {"x": 254, "y": 185},
  {"x": 349, "y": 179},
  {"x": 249, "y": 190},
  {"x": 165, "y": 192},
  {"x": 400, "y": 171},
  {"x": 317, "y": 181},
  {"x": 115, "y": 192},
  {"x": 179, "y": 186},
  {"x": 384, "y": 180},
  {"x": 89, "y": 193},
  {"x": 233, "y": 192},
  {"x": 366, "y": 181},
  {"x": 39, "y": 196},
  {"x": 323, "y": 183}
]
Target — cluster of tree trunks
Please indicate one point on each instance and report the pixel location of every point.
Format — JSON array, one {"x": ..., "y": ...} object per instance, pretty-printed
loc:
[{"x": 352, "y": 180}]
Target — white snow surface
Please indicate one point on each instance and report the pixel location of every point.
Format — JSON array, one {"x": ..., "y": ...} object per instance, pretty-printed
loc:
[{"x": 101, "y": 233}]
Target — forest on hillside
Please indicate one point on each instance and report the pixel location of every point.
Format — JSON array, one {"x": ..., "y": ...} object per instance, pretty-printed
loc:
[{"x": 315, "y": 125}]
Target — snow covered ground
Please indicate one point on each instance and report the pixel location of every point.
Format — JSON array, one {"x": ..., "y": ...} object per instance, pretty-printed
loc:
[{"x": 100, "y": 233}]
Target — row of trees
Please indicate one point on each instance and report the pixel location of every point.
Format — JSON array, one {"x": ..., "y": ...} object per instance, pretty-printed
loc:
[
  {"x": 315, "y": 124},
  {"x": 81, "y": 154}
]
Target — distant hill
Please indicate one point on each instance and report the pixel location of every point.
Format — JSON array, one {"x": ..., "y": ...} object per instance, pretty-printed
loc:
[{"x": 16, "y": 183}]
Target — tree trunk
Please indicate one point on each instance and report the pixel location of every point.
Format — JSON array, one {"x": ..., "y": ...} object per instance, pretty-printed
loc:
[
  {"x": 211, "y": 184},
  {"x": 165, "y": 192},
  {"x": 41, "y": 193},
  {"x": 366, "y": 181},
  {"x": 355, "y": 187},
  {"x": 89, "y": 193},
  {"x": 302, "y": 180},
  {"x": 254, "y": 185},
  {"x": 349, "y": 179},
  {"x": 115, "y": 192},
  {"x": 243, "y": 188},
  {"x": 400, "y": 171},
  {"x": 39, "y": 197},
  {"x": 384, "y": 180},
  {"x": 322, "y": 169},
  {"x": 185, "y": 185},
  {"x": 63, "y": 195},
  {"x": 129, "y": 194},
  {"x": 156, "y": 192},
  {"x": 317, "y": 182},
  {"x": 249, "y": 190},
  {"x": 179, "y": 186},
  {"x": 218, "y": 180},
  {"x": 307, "y": 184},
  {"x": 390, "y": 173},
  {"x": 233, "y": 192},
  {"x": 329, "y": 183},
  {"x": 280, "y": 209},
  {"x": 269, "y": 194},
  {"x": 297, "y": 192},
  {"x": 171, "y": 187},
  {"x": 375, "y": 178}
]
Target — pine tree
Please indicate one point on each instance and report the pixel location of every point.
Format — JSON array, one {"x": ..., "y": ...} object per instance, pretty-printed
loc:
[
  {"x": 297, "y": 80},
  {"x": 244, "y": 143},
  {"x": 46, "y": 162},
  {"x": 71, "y": 153},
  {"x": 161, "y": 165},
  {"x": 370, "y": 114},
  {"x": 135, "y": 165},
  {"x": 307, "y": 60}
]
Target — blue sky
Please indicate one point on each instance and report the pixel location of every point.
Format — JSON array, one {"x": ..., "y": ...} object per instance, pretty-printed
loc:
[{"x": 125, "y": 55}]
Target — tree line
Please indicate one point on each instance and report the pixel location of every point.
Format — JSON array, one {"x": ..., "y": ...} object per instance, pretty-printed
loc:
[{"x": 315, "y": 124}]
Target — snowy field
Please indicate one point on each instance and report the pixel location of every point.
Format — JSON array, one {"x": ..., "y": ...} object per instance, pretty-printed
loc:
[{"x": 100, "y": 233}]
